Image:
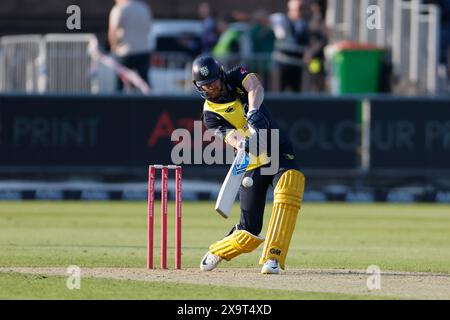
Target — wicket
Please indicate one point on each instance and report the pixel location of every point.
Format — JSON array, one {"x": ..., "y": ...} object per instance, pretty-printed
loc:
[{"x": 151, "y": 210}]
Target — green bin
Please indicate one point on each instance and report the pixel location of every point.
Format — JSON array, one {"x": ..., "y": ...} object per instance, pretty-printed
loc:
[{"x": 355, "y": 68}]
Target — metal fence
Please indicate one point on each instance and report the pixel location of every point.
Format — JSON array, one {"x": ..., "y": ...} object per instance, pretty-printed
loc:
[
  {"x": 52, "y": 63},
  {"x": 410, "y": 31},
  {"x": 347, "y": 19},
  {"x": 73, "y": 63},
  {"x": 19, "y": 57},
  {"x": 67, "y": 63}
]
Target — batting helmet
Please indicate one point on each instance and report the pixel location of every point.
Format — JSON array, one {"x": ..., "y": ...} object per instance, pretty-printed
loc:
[{"x": 206, "y": 70}]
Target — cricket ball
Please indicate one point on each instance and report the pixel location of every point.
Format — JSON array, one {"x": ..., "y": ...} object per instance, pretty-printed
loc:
[{"x": 247, "y": 182}]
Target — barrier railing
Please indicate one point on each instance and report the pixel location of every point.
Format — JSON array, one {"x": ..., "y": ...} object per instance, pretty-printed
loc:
[
  {"x": 19, "y": 63},
  {"x": 51, "y": 63},
  {"x": 67, "y": 63}
]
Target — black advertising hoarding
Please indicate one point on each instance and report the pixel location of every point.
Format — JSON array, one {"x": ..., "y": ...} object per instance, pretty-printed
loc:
[
  {"x": 410, "y": 134},
  {"x": 96, "y": 133},
  {"x": 57, "y": 131},
  {"x": 154, "y": 121},
  {"x": 90, "y": 131},
  {"x": 324, "y": 131}
]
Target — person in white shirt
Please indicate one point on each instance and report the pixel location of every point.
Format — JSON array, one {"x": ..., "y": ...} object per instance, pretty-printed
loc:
[{"x": 129, "y": 25}]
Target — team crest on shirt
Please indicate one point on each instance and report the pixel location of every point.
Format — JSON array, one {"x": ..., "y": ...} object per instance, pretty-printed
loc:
[
  {"x": 204, "y": 71},
  {"x": 243, "y": 70}
]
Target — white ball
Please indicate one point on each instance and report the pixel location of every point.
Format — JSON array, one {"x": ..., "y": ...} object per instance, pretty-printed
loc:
[{"x": 247, "y": 182}]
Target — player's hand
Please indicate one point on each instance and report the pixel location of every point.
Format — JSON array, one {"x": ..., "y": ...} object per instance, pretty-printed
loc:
[
  {"x": 257, "y": 119},
  {"x": 242, "y": 144},
  {"x": 253, "y": 144}
]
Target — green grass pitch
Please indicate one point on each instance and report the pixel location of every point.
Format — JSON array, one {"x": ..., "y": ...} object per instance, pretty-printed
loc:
[{"x": 409, "y": 238}]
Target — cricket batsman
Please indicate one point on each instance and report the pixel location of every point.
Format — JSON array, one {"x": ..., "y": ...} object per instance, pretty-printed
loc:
[{"x": 234, "y": 100}]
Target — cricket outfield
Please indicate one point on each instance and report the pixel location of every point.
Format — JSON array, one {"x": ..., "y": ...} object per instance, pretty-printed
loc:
[{"x": 332, "y": 247}]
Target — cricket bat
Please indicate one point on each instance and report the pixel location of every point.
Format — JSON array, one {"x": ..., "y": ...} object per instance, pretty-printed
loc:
[{"x": 231, "y": 184}]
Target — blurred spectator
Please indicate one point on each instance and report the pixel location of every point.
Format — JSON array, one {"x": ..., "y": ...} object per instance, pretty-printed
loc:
[
  {"x": 289, "y": 51},
  {"x": 228, "y": 46},
  {"x": 261, "y": 33},
  {"x": 129, "y": 26},
  {"x": 262, "y": 40},
  {"x": 314, "y": 55},
  {"x": 210, "y": 30}
]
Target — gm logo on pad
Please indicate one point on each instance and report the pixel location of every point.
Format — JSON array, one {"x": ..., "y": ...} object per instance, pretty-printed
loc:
[{"x": 275, "y": 251}]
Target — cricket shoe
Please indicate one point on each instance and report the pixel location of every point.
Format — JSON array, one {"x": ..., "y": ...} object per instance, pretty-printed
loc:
[
  {"x": 209, "y": 261},
  {"x": 271, "y": 267}
]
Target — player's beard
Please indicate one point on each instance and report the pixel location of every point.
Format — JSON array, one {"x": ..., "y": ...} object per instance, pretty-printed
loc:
[{"x": 217, "y": 93}]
